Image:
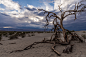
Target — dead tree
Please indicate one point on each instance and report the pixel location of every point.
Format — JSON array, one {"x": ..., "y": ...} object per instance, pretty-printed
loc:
[
  {"x": 59, "y": 25},
  {"x": 63, "y": 15}
]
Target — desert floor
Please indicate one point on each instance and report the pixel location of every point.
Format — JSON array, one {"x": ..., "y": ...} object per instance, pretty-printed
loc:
[{"x": 39, "y": 50}]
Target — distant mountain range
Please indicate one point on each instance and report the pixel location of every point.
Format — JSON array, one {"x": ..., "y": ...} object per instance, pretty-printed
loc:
[
  {"x": 12, "y": 29},
  {"x": 29, "y": 29}
]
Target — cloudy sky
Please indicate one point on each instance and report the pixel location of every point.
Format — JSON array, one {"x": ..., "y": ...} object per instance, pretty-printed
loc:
[{"x": 24, "y": 14}]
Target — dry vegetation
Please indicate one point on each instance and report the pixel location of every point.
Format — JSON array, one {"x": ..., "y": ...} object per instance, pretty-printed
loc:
[
  {"x": 16, "y": 34},
  {"x": 84, "y": 36}
]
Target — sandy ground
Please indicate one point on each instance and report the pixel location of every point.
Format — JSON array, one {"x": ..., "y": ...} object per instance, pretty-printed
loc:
[{"x": 39, "y": 50}]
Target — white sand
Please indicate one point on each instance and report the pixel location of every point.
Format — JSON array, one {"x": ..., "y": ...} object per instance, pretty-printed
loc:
[{"x": 40, "y": 50}]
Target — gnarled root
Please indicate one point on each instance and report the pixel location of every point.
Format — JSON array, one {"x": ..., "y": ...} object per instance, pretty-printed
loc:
[
  {"x": 53, "y": 48},
  {"x": 30, "y": 46}
]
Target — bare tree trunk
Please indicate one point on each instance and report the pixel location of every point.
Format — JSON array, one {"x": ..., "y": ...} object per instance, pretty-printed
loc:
[
  {"x": 55, "y": 31},
  {"x": 64, "y": 31}
]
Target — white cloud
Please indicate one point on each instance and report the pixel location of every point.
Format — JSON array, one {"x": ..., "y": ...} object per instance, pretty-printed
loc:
[
  {"x": 48, "y": 1},
  {"x": 66, "y": 4},
  {"x": 46, "y": 6},
  {"x": 56, "y": 3},
  {"x": 8, "y": 27},
  {"x": 10, "y": 5},
  {"x": 11, "y": 8},
  {"x": 30, "y": 6},
  {"x": 2, "y": 9}
]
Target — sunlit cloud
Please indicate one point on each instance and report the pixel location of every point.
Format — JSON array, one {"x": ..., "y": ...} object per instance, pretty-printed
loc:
[
  {"x": 30, "y": 6},
  {"x": 10, "y": 5},
  {"x": 2, "y": 9},
  {"x": 66, "y": 4},
  {"x": 8, "y": 27}
]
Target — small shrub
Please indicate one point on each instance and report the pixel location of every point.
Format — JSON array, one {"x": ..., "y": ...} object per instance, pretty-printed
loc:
[
  {"x": 23, "y": 35},
  {"x": 32, "y": 34},
  {"x": 0, "y": 37},
  {"x": 11, "y": 32},
  {"x": 6, "y": 35},
  {"x": 84, "y": 32},
  {"x": 29, "y": 35},
  {"x": 67, "y": 33},
  {"x": 72, "y": 31},
  {"x": 84, "y": 36},
  {"x": 13, "y": 37}
]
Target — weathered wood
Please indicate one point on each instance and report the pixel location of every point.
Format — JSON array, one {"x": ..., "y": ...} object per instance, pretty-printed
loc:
[
  {"x": 44, "y": 41},
  {"x": 53, "y": 48},
  {"x": 16, "y": 51},
  {"x": 68, "y": 49},
  {"x": 75, "y": 36},
  {"x": 78, "y": 38}
]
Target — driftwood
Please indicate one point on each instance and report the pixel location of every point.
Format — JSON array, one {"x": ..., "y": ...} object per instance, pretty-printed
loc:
[
  {"x": 35, "y": 43},
  {"x": 75, "y": 36},
  {"x": 68, "y": 49},
  {"x": 53, "y": 48},
  {"x": 16, "y": 51}
]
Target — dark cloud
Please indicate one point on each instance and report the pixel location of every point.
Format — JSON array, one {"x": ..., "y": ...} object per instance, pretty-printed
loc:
[
  {"x": 78, "y": 24},
  {"x": 26, "y": 17},
  {"x": 14, "y": 14},
  {"x": 33, "y": 9},
  {"x": 4, "y": 14},
  {"x": 7, "y": 21},
  {"x": 39, "y": 14},
  {"x": 37, "y": 23}
]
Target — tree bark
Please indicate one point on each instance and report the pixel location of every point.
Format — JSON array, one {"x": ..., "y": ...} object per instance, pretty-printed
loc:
[{"x": 64, "y": 31}]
